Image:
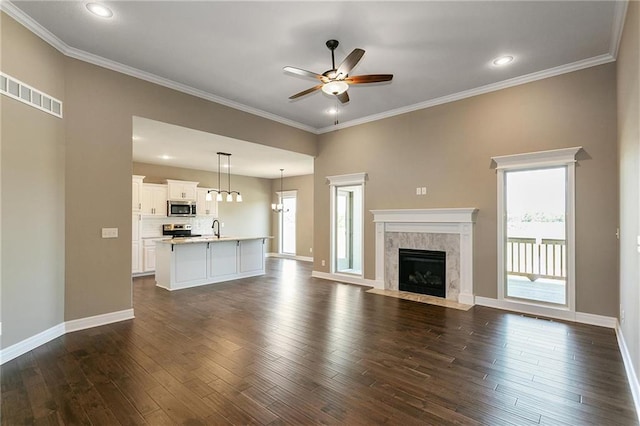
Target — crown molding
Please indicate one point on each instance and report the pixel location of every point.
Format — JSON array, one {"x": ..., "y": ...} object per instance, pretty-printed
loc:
[
  {"x": 620, "y": 10},
  {"x": 517, "y": 81},
  {"x": 619, "y": 15},
  {"x": 33, "y": 26}
]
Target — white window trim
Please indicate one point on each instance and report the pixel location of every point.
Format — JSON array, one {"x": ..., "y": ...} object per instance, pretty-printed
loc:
[
  {"x": 351, "y": 179},
  {"x": 287, "y": 194},
  {"x": 535, "y": 160}
]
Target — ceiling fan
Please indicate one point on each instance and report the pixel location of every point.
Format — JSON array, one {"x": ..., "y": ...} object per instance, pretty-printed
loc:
[{"x": 336, "y": 81}]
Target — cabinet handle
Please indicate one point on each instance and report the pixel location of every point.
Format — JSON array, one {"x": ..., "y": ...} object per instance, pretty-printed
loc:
[{"x": 139, "y": 206}]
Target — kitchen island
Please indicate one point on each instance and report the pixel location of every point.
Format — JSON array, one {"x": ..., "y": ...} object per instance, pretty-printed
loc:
[{"x": 196, "y": 261}]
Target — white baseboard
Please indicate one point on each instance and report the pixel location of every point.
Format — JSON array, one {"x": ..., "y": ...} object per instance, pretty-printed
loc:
[
  {"x": 290, "y": 256},
  {"x": 348, "y": 279},
  {"x": 632, "y": 377},
  {"x": 466, "y": 299},
  {"x": 56, "y": 331},
  {"x": 98, "y": 320},
  {"x": 545, "y": 311},
  {"x": 31, "y": 343}
]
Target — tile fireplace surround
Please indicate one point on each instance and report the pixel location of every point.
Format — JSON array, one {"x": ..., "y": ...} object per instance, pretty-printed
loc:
[{"x": 449, "y": 230}]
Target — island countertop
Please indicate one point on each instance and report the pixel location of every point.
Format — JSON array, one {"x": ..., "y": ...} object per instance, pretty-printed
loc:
[{"x": 208, "y": 239}]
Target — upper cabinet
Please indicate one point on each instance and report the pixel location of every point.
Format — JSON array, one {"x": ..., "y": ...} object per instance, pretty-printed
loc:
[
  {"x": 136, "y": 190},
  {"x": 204, "y": 207},
  {"x": 154, "y": 199},
  {"x": 182, "y": 190}
]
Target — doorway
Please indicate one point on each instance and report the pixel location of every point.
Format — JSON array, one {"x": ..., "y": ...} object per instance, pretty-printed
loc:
[
  {"x": 348, "y": 230},
  {"x": 536, "y": 229},
  {"x": 288, "y": 223},
  {"x": 536, "y": 237}
]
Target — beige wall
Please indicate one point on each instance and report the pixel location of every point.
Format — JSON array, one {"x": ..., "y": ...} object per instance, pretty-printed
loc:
[
  {"x": 32, "y": 163},
  {"x": 99, "y": 167},
  {"x": 252, "y": 217},
  {"x": 304, "y": 213},
  {"x": 90, "y": 180},
  {"x": 448, "y": 149},
  {"x": 629, "y": 157}
]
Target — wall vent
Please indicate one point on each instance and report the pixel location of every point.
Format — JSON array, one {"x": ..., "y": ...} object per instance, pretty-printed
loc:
[{"x": 17, "y": 90}]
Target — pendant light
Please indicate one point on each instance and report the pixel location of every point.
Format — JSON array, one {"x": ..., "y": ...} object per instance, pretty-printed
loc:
[
  {"x": 228, "y": 191},
  {"x": 279, "y": 208}
]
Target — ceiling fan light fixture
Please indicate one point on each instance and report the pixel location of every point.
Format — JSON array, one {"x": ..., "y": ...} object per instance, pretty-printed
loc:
[{"x": 335, "y": 87}]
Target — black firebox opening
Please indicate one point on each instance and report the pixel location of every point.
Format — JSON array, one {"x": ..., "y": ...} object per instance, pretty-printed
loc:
[{"x": 423, "y": 271}]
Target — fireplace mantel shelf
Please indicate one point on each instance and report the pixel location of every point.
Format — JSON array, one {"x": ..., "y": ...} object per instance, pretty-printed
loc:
[
  {"x": 442, "y": 220},
  {"x": 452, "y": 215}
]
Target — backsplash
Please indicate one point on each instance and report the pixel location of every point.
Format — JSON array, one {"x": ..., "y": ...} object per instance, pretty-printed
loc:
[{"x": 151, "y": 227}]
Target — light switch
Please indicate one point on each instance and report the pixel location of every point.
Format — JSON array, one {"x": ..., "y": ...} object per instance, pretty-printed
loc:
[
  {"x": 418, "y": 191},
  {"x": 424, "y": 190},
  {"x": 109, "y": 232}
]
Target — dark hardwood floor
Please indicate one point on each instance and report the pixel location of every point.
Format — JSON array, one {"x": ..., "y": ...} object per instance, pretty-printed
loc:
[{"x": 289, "y": 349}]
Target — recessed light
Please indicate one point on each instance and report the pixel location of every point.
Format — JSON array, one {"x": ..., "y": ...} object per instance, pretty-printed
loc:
[
  {"x": 332, "y": 111},
  {"x": 165, "y": 157},
  {"x": 99, "y": 10},
  {"x": 502, "y": 60}
]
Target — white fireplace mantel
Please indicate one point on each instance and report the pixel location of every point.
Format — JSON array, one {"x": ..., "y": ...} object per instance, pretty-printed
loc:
[{"x": 444, "y": 221}]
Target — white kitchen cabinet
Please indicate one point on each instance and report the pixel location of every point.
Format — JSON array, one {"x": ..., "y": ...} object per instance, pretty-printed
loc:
[
  {"x": 182, "y": 190},
  {"x": 223, "y": 259},
  {"x": 154, "y": 199},
  {"x": 136, "y": 190},
  {"x": 136, "y": 259},
  {"x": 136, "y": 264},
  {"x": 190, "y": 263},
  {"x": 149, "y": 254},
  {"x": 204, "y": 207},
  {"x": 251, "y": 256}
]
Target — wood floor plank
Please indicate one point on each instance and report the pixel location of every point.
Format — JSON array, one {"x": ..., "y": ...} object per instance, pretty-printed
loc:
[{"x": 289, "y": 349}]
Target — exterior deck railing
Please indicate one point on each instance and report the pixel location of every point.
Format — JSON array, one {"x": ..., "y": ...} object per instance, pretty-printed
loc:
[{"x": 532, "y": 258}]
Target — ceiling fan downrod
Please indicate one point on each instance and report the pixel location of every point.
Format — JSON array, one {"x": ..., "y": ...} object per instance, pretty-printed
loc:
[{"x": 332, "y": 44}]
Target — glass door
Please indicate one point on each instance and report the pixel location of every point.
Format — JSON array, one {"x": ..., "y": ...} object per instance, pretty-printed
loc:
[
  {"x": 536, "y": 235},
  {"x": 348, "y": 230},
  {"x": 288, "y": 225}
]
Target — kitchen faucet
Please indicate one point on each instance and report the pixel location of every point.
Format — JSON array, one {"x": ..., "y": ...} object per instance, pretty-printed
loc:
[{"x": 213, "y": 226}]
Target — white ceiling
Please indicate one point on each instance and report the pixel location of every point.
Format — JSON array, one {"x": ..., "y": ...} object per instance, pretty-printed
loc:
[
  {"x": 161, "y": 143},
  {"x": 233, "y": 52}
]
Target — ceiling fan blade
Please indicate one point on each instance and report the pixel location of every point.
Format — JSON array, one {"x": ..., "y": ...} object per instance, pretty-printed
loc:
[
  {"x": 306, "y": 92},
  {"x": 349, "y": 62},
  {"x": 371, "y": 78},
  {"x": 343, "y": 97},
  {"x": 304, "y": 73}
]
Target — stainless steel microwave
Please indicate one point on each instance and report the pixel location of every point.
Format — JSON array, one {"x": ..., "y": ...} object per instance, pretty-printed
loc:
[{"x": 181, "y": 208}]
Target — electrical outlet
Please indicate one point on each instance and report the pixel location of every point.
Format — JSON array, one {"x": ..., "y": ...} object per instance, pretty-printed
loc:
[
  {"x": 109, "y": 232},
  {"x": 322, "y": 262},
  {"x": 310, "y": 249},
  {"x": 221, "y": 224},
  {"x": 424, "y": 190}
]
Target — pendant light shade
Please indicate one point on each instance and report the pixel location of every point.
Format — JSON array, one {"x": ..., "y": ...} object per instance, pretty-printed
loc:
[{"x": 228, "y": 191}]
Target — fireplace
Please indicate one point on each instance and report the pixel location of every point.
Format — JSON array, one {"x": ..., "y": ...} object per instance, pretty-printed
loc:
[{"x": 422, "y": 271}]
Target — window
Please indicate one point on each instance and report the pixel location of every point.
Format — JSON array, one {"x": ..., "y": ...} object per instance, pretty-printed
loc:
[{"x": 536, "y": 228}]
